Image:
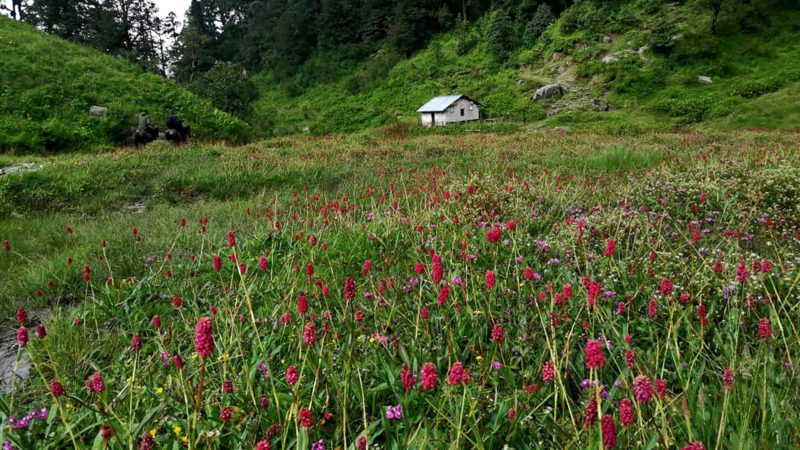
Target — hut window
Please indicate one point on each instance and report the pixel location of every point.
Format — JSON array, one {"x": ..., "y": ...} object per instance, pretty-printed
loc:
[{"x": 462, "y": 112}]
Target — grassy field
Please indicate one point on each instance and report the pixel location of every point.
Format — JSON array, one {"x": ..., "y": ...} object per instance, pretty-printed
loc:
[{"x": 529, "y": 289}]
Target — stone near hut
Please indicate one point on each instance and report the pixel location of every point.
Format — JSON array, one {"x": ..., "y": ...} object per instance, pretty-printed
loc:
[
  {"x": 704, "y": 79},
  {"x": 607, "y": 40},
  {"x": 98, "y": 111},
  {"x": 550, "y": 90}
]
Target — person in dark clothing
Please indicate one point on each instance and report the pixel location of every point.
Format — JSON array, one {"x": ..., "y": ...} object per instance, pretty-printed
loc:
[{"x": 175, "y": 123}]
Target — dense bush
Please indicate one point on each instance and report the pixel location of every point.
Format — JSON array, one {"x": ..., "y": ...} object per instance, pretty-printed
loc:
[{"x": 756, "y": 88}]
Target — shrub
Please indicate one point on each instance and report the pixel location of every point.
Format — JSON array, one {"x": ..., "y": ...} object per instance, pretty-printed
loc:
[
  {"x": 660, "y": 39},
  {"x": 756, "y": 88},
  {"x": 228, "y": 88},
  {"x": 687, "y": 109}
]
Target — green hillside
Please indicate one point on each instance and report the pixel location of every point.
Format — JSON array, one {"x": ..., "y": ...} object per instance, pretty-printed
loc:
[
  {"x": 47, "y": 86},
  {"x": 655, "y": 53}
]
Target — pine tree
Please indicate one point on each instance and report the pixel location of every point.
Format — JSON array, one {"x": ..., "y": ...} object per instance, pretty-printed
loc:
[
  {"x": 538, "y": 24},
  {"x": 500, "y": 35}
]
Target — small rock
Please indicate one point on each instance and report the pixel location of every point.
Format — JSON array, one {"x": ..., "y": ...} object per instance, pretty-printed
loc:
[
  {"x": 608, "y": 59},
  {"x": 704, "y": 79},
  {"x": 24, "y": 167},
  {"x": 136, "y": 208},
  {"x": 560, "y": 130},
  {"x": 607, "y": 39},
  {"x": 98, "y": 111}
]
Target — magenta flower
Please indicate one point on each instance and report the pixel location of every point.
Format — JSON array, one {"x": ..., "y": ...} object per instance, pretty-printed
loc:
[
  {"x": 594, "y": 354},
  {"x": 642, "y": 389},
  {"x": 428, "y": 376},
  {"x": 203, "y": 337},
  {"x": 609, "y": 431},
  {"x": 626, "y": 412},
  {"x": 548, "y": 371}
]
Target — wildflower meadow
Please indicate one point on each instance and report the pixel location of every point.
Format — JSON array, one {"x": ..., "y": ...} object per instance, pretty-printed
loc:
[{"x": 487, "y": 292}]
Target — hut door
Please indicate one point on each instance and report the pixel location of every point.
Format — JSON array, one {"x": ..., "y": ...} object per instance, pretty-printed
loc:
[{"x": 433, "y": 119}]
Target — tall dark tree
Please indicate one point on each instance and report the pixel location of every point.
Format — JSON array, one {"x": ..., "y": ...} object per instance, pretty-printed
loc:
[
  {"x": 538, "y": 24},
  {"x": 16, "y": 9},
  {"x": 194, "y": 50},
  {"x": 716, "y": 9},
  {"x": 64, "y": 18},
  {"x": 500, "y": 39}
]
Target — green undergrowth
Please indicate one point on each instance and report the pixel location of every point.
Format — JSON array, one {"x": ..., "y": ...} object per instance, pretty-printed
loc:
[{"x": 47, "y": 86}]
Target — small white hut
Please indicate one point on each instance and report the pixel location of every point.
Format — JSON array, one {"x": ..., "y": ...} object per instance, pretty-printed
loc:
[{"x": 449, "y": 109}]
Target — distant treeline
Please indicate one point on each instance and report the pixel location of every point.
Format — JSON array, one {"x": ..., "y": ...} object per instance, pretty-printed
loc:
[{"x": 278, "y": 35}]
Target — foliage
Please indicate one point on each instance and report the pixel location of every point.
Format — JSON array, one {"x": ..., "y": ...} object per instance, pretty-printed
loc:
[
  {"x": 228, "y": 88},
  {"x": 500, "y": 35},
  {"x": 49, "y": 85},
  {"x": 538, "y": 23}
]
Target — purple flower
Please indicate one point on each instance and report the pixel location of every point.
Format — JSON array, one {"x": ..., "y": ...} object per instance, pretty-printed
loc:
[
  {"x": 262, "y": 367},
  {"x": 319, "y": 445},
  {"x": 7, "y": 445},
  {"x": 497, "y": 365},
  {"x": 394, "y": 412}
]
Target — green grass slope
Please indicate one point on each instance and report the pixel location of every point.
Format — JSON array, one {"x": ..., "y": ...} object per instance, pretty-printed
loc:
[
  {"x": 47, "y": 86},
  {"x": 662, "y": 48}
]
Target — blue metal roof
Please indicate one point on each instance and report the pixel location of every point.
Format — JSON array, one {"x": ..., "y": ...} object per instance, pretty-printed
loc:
[{"x": 439, "y": 104}]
